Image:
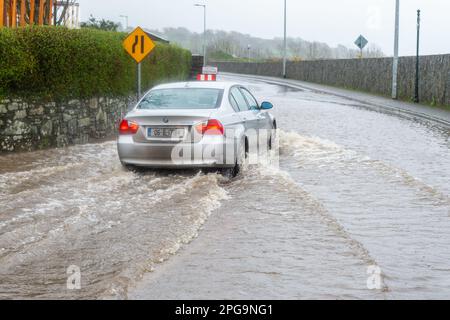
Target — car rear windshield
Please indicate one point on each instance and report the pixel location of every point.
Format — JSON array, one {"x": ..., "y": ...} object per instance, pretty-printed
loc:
[{"x": 182, "y": 98}]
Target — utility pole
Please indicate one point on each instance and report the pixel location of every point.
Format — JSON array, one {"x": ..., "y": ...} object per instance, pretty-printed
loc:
[
  {"x": 416, "y": 96},
  {"x": 204, "y": 32},
  {"x": 249, "y": 47},
  {"x": 395, "y": 62},
  {"x": 204, "y": 36},
  {"x": 126, "y": 21},
  {"x": 285, "y": 40}
]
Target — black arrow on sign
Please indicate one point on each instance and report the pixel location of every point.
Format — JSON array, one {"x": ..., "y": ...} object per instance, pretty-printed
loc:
[{"x": 136, "y": 42}]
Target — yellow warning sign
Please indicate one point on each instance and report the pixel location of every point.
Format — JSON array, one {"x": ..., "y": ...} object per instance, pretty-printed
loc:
[{"x": 138, "y": 44}]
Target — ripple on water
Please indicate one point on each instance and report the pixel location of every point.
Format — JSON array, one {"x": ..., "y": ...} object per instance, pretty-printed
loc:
[{"x": 112, "y": 223}]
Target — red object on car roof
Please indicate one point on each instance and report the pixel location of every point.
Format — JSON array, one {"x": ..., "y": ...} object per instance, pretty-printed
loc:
[{"x": 206, "y": 77}]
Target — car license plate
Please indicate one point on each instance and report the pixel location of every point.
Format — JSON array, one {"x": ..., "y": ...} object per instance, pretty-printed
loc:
[{"x": 174, "y": 133}]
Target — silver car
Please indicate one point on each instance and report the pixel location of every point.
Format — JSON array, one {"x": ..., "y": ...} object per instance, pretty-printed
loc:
[{"x": 195, "y": 125}]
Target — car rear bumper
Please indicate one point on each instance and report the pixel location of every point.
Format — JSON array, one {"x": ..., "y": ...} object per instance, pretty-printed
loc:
[{"x": 211, "y": 152}]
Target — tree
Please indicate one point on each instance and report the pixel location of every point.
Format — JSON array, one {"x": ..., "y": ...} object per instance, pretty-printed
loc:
[
  {"x": 234, "y": 45},
  {"x": 102, "y": 24},
  {"x": 374, "y": 51}
]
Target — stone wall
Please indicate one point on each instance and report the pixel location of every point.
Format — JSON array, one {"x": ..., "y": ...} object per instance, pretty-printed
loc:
[
  {"x": 371, "y": 75},
  {"x": 26, "y": 125}
]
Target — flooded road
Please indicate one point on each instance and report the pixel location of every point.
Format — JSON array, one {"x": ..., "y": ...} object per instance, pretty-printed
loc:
[{"x": 355, "y": 191}]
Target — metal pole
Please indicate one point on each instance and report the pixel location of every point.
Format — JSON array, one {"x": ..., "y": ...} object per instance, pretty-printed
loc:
[
  {"x": 416, "y": 96},
  {"x": 138, "y": 81},
  {"x": 395, "y": 61},
  {"x": 77, "y": 18},
  {"x": 204, "y": 31},
  {"x": 126, "y": 21},
  {"x": 285, "y": 40},
  {"x": 204, "y": 36}
]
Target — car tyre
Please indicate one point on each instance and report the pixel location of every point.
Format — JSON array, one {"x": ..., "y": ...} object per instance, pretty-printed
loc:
[
  {"x": 273, "y": 136},
  {"x": 240, "y": 162}
]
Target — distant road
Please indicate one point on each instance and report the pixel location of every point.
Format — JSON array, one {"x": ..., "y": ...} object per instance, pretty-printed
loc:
[{"x": 437, "y": 115}]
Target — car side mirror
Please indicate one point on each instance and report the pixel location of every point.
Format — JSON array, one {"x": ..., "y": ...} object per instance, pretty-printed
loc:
[{"x": 266, "y": 105}]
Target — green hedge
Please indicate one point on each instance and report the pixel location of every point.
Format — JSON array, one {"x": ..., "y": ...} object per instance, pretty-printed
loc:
[{"x": 58, "y": 63}]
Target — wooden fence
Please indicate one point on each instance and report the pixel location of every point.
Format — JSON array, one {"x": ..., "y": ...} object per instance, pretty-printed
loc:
[{"x": 15, "y": 13}]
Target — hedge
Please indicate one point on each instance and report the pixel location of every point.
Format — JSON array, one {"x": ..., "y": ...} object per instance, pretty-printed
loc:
[{"x": 58, "y": 63}]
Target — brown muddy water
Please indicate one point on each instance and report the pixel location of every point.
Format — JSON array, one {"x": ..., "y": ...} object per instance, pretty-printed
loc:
[{"x": 354, "y": 191}]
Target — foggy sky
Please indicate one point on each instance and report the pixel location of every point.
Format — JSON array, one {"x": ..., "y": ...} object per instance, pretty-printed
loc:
[{"x": 330, "y": 21}]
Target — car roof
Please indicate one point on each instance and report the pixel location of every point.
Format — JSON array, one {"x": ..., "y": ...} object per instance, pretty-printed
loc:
[{"x": 198, "y": 84}]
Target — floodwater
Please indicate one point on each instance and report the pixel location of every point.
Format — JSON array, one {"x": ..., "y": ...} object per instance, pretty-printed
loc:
[{"x": 355, "y": 191}]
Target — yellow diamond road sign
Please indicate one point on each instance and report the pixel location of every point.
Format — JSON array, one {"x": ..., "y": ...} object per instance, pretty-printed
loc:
[{"x": 138, "y": 44}]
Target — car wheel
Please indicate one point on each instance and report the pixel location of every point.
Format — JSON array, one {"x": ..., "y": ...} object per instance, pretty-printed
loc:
[
  {"x": 230, "y": 172},
  {"x": 240, "y": 162},
  {"x": 273, "y": 136}
]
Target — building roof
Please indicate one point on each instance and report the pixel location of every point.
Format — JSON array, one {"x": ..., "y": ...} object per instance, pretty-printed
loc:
[{"x": 156, "y": 37}]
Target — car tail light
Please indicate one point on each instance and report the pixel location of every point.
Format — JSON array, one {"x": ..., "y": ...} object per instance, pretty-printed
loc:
[
  {"x": 210, "y": 127},
  {"x": 128, "y": 127}
]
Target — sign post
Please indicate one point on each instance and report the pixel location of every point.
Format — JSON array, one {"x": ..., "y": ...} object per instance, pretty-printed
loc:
[
  {"x": 138, "y": 45},
  {"x": 138, "y": 80},
  {"x": 361, "y": 42}
]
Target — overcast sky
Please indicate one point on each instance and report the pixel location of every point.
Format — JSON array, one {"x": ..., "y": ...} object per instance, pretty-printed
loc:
[{"x": 331, "y": 21}]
